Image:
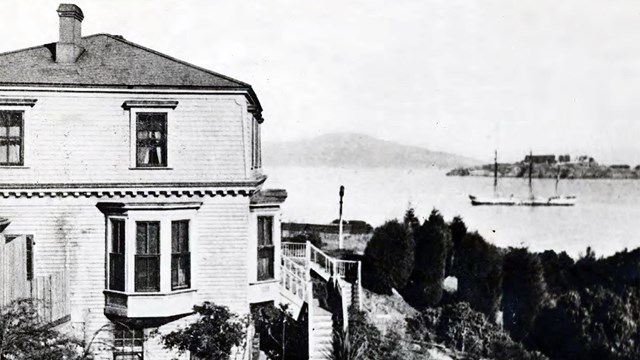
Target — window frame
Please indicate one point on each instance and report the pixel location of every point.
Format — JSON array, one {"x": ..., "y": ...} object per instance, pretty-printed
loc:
[
  {"x": 148, "y": 257},
  {"x": 262, "y": 248},
  {"x": 7, "y": 137},
  {"x": 135, "y": 107},
  {"x": 180, "y": 256},
  {"x": 123, "y": 253},
  {"x": 164, "y": 139},
  {"x": 128, "y": 335}
]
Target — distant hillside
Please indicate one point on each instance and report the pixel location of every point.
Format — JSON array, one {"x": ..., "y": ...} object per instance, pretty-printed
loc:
[{"x": 357, "y": 150}]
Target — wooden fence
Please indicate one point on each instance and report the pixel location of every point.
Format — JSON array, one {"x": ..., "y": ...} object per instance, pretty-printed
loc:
[{"x": 50, "y": 296}]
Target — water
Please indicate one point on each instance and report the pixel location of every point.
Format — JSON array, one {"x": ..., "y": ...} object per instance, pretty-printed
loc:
[{"x": 605, "y": 216}]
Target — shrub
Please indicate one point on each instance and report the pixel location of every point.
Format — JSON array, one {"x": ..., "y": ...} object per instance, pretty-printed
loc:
[
  {"x": 389, "y": 258},
  {"x": 281, "y": 336},
  {"x": 24, "y": 336},
  {"x": 433, "y": 243},
  {"x": 459, "y": 327},
  {"x": 213, "y": 336}
]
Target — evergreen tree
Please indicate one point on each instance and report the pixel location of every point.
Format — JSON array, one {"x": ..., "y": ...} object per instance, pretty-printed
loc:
[{"x": 388, "y": 257}]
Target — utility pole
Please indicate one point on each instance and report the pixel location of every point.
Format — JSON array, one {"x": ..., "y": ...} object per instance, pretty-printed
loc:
[{"x": 340, "y": 241}]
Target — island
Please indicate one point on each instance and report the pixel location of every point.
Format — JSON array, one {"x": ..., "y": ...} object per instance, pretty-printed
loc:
[{"x": 550, "y": 166}]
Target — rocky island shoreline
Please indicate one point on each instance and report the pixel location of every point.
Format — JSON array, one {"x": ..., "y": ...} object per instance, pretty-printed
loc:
[{"x": 551, "y": 169}]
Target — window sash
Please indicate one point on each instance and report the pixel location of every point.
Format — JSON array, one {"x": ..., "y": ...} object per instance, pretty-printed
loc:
[
  {"x": 265, "y": 262},
  {"x": 147, "y": 269},
  {"x": 128, "y": 344},
  {"x": 265, "y": 230},
  {"x": 180, "y": 255},
  {"x": 11, "y": 138},
  {"x": 151, "y": 139},
  {"x": 147, "y": 259},
  {"x": 29, "y": 260}
]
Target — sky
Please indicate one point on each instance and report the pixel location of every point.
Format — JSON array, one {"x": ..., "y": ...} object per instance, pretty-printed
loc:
[{"x": 460, "y": 76}]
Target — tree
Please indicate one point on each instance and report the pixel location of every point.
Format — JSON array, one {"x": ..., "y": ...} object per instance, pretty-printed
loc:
[
  {"x": 479, "y": 272},
  {"x": 23, "y": 335},
  {"x": 213, "y": 336},
  {"x": 388, "y": 258},
  {"x": 433, "y": 243},
  {"x": 458, "y": 233},
  {"x": 524, "y": 291}
]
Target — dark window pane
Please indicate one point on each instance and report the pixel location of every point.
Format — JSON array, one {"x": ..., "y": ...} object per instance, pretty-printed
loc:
[
  {"x": 29, "y": 257},
  {"x": 147, "y": 269},
  {"x": 116, "y": 256},
  {"x": 181, "y": 257},
  {"x": 11, "y": 138},
  {"x": 265, "y": 263},
  {"x": 265, "y": 230},
  {"x": 151, "y": 139}
]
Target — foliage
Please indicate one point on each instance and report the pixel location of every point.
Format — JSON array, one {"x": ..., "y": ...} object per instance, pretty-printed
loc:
[
  {"x": 213, "y": 336},
  {"x": 590, "y": 324},
  {"x": 433, "y": 243},
  {"x": 24, "y": 336},
  {"x": 362, "y": 340},
  {"x": 459, "y": 327},
  {"x": 458, "y": 233},
  {"x": 388, "y": 258},
  {"x": 524, "y": 291},
  {"x": 478, "y": 266},
  {"x": 281, "y": 336},
  {"x": 312, "y": 237},
  {"x": 559, "y": 271}
]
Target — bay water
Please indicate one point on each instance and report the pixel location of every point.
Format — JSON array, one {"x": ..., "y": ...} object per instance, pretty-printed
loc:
[{"x": 606, "y": 216}]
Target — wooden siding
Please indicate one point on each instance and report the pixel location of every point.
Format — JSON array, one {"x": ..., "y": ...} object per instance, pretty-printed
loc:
[
  {"x": 85, "y": 138},
  {"x": 70, "y": 234}
]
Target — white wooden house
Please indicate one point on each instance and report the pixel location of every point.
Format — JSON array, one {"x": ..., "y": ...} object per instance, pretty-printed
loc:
[{"x": 133, "y": 184}]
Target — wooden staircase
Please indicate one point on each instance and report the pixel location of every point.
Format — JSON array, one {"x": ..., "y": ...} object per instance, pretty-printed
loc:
[{"x": 299, "y": 262}]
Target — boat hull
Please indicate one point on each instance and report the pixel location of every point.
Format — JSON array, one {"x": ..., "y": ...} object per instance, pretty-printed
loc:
[{"x": 552, "y": 201}]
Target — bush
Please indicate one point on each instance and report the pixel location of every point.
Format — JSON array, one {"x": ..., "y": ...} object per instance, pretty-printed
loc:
[
  {"x": 459, "y": 327},
  {"x": 24, "y": 336},
  {"x": 590, "y": 324},
  {"x": 281, "y": 336},
  {"x": 213, "y": 336},
  {"x": 388, "y": 258},
  {"x": 433, "y": 243}
]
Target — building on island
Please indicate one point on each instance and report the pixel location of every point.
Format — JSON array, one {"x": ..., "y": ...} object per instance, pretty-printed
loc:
[{"x": 132, "y": 188}]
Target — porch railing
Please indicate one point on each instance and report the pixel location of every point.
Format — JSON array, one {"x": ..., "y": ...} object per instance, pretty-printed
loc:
[
  {"x": 294, "y": 250},
  {"x": 292, "y": 277}
]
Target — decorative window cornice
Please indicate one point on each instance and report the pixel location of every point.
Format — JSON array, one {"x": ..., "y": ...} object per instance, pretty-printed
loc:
[
  {"x": 17, "y": 102},
  {"x": 150, "y": 104},
  {"x": 121, "y": 207}
]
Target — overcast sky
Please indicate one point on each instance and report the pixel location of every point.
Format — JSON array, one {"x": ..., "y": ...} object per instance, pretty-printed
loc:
[{"x": 453, "y": 75}]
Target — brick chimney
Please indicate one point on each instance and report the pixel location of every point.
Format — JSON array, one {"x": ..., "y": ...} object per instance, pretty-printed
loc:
[{"x": 68, "y": 48}]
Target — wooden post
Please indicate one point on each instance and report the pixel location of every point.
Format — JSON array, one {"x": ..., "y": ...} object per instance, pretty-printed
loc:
[{"x": 340, "y": 241}]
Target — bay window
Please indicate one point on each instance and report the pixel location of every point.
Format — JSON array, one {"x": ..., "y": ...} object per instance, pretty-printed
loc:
[{"x": 116, "y": 255}]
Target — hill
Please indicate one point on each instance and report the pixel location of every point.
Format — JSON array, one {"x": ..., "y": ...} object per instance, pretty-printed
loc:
[{"x": 357, "y": 150}]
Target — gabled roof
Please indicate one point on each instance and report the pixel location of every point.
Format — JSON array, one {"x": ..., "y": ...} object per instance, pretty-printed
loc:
[{"x": 111, "y": 61}]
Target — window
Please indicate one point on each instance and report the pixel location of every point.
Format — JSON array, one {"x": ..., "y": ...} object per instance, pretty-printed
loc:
[
  {"x": 128, "y": 344},
  {"x": 265, "y": 248},
  {"x": 151, "y": 139},
  {"x": 11, "y": 138},
  {"x": 116, "y": 255},
  {"x": 147, "y": 261},
  {"x": 29, "y": 261},
  {"x": 180, "y": 255}
]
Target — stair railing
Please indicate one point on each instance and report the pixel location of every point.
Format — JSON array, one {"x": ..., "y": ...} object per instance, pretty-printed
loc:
[{"x": 293, "y": 277}]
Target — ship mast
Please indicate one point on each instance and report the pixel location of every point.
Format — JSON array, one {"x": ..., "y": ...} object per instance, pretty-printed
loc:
[
  {"x": 495, "y": 172},
  {"x": 530, "y": 172}
]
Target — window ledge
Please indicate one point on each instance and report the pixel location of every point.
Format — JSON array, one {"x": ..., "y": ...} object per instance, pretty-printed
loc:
[
  {"x": 262, "y": 282},
  {"x": 153, "y": 304},
  {"x": 150, "y": 168}
]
